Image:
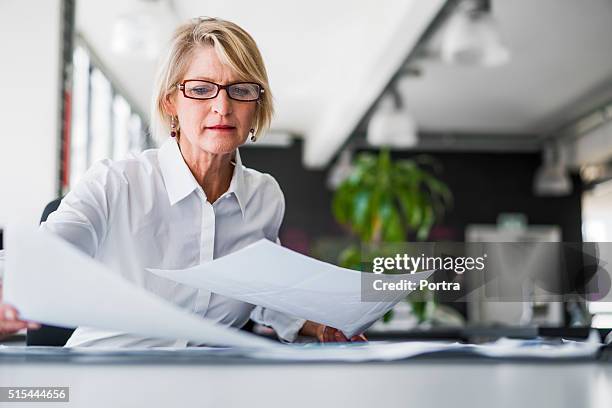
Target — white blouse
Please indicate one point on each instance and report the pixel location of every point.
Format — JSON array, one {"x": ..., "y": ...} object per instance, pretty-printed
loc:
[{"x": 149, "y": 212}]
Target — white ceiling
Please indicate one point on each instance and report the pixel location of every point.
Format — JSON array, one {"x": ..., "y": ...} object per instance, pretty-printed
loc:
[
  {"x": 329, "y": 60},
  {"x": 316, "y": 52},
  {"x": 561, "y": 63}
]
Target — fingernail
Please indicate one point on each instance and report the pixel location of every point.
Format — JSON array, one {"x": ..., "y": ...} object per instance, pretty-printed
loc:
[{"x": 33, "y": 326}]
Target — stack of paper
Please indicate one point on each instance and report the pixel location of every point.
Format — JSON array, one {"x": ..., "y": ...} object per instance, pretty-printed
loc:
[
  {"x": 51, "y": 282},
  {"x": 269, "y": 275}
]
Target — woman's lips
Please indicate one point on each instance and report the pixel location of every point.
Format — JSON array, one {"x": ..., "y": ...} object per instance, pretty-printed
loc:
[{"x": 221, "y": 128}]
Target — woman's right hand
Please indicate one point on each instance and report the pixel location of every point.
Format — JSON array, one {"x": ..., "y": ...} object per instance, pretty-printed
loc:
[
  {"x": 9, "y": 316},
  {"x": 10, "y": 322},
  {"x": 9, "y": 319}
]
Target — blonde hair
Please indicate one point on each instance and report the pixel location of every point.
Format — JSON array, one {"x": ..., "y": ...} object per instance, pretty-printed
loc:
[{"x": 234, "y": 47}]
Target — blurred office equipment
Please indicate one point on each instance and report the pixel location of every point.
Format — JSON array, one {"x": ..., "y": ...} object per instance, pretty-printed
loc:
[
  {"x": 527, "y": 262},
  {"x": 597, "y": 227}
]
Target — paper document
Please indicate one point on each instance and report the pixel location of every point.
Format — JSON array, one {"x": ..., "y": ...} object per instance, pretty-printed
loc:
[
  {"x": 314, "y": 352},
  {"x": 51, "y": 282},
  {"x": 356, "y": 352},
  {"x": 538, "y": 348},
  {"x": 277, "y": 278}
]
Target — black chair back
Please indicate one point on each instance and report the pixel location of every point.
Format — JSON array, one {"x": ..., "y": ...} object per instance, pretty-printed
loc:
[{"x": 49, "y": 335}]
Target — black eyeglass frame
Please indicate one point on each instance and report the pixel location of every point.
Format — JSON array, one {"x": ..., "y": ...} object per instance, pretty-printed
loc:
[{"x": 181, "y": 87}]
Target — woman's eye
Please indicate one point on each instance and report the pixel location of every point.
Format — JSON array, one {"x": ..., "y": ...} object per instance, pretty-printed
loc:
[
  {"x": 241, "y": 90},
  {"x": 201, "y": 90}
]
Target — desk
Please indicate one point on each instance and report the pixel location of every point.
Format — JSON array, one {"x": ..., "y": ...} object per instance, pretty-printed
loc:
[{"x": 420, "y": 382}]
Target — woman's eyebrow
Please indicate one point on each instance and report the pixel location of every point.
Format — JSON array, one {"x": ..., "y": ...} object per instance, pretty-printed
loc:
[{"x": 205, "y": 78}]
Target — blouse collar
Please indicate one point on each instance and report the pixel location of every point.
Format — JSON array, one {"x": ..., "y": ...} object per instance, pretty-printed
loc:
[{"x": 180, "y": 182}]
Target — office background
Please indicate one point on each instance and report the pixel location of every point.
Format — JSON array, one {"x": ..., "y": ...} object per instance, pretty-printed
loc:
[{"x": 74, "y": 93}]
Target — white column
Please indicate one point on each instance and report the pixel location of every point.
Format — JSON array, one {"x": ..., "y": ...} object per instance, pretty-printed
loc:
[{"x": 29, "y": 107}]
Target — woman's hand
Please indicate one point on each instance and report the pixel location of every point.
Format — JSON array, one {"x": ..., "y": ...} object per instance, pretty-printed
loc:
[
  {"x": 10, "y": 322},
  {"x": 326, "y": 334},
  {"x": 9, "y": 319}
]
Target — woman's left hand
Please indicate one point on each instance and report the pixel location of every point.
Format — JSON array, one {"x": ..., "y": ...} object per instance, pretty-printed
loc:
[{"x": 327, "y": 334}]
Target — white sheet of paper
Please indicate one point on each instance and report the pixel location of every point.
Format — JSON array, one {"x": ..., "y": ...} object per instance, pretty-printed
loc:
[
  {"x": 51, "y": 282},
  {"x": 356, "y": 352},
  {"x": 516, "y": 348},
  {"x": 274, "y": 277}
]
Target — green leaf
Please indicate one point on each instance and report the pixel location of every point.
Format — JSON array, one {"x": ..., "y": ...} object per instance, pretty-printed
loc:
[
  {"x": 342, "y": 207},
  {"x": 428, "y": 220},
  {"x": 350, "y": 258},
  {"x": 410, "y": 208},
  {"x": 388, "y": 316},
  {"x": 362, "y": 203},
  {"x": 438, "y": 188}
]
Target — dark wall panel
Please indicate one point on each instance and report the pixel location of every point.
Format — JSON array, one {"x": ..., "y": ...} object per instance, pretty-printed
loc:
[{"x": 483, "y": 184}]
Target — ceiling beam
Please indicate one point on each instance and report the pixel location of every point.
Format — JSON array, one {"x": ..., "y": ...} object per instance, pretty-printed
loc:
[{"x": 345, "y": 113}]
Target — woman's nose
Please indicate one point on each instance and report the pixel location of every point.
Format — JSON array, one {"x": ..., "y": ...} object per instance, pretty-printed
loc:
[{"x": 222, "y": 104}]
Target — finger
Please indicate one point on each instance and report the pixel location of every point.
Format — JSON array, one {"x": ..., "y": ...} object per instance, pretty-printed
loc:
[
  {"x": 8, "y": 313},
  {"x": 11, "y": 327},
  {"x": 326, "y": 335},
  {"x": 33, "y": 325},
  {"x": 340, "y": 337},
  {"x": 321, "y": 336}
]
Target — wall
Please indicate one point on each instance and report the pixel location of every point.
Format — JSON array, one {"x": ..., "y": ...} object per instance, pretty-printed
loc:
[
  {"x": 29, "y": 112},
  {"x": 307, "y": 214},
  {"x": 486, "y": 184}
]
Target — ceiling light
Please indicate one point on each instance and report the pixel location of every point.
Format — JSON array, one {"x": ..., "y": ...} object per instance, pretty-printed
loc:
[
  {"x": 552, "y": 178},
  {"x": 472, "y": 37},
  {"x": 136, "y": 32},
  {"x": 392, "y": 126}
]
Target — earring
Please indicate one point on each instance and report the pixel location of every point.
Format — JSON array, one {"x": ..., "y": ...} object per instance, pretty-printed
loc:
[
  {"x": 252, "y": 132},
  {"x": 173, "y": 126}
]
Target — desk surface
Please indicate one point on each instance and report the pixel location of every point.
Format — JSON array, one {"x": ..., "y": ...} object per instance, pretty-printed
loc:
[{"x": 440, "y": 382}]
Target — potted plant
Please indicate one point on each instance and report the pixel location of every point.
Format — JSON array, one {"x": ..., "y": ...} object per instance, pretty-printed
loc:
[{"x": 387, "y": 201}]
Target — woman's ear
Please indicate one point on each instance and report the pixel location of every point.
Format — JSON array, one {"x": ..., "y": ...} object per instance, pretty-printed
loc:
[{"x": 168, "y": 103}]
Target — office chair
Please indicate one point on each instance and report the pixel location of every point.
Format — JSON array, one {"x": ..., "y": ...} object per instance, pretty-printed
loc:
[{"x": 49, "y": 335}]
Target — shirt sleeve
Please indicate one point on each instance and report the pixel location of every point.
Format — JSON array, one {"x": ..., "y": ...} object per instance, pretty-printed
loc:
[
  {"x": 286, "y": 327},
  {"x": 82, "y": 218}
]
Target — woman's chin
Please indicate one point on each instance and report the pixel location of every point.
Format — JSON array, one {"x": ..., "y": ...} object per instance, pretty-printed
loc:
[{"x": 219, "y": 146}]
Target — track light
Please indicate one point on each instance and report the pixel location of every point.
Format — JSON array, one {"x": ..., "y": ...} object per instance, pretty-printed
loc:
[
  {"x": 472, "y": 37},
  {"x": 552, "y": 178}
]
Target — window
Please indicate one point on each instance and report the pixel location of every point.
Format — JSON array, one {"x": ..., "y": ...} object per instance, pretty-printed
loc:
[{"x": 103, "y": 123}]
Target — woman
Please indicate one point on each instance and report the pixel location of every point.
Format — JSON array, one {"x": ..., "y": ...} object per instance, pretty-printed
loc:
[{"x": 190, "y": 201}]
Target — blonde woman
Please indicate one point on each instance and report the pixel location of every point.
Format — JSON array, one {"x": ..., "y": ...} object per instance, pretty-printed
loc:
[{"x": 191, "y": 200}]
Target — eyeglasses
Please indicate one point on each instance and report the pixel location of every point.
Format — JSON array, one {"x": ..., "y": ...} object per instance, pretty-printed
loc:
[{"x": 239, "y": 91}]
